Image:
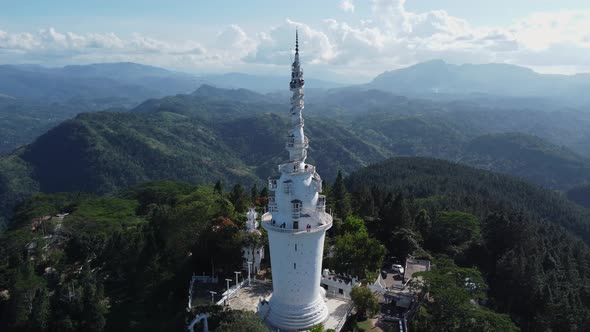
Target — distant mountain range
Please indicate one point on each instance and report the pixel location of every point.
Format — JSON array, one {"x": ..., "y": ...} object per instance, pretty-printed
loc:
[
  {"x": 442, "y": 80},
  {"x": 428, "y": 79},
  {"x": 130, "y": 81},
  {"x": 264, "y": 83}
]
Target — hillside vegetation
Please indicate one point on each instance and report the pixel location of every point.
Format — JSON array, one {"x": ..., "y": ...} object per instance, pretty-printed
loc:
[
  {"x": 122, "y": 262},
  {"x": 238, "y": 136},
  {"x": 530, "y": 245}
]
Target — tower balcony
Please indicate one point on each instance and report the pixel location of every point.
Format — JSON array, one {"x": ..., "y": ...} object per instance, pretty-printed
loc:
[
  {"x": 296, "y": 83},
  {"x": 293, "y": 169},
  {"x": 310, "y": 221}
]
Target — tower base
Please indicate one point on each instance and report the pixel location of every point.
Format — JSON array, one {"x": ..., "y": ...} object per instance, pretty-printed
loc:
[{"x": 297, "y": 317}]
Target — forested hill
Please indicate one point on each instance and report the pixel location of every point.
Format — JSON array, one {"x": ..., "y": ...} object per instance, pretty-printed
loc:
[
  {"x": 525, "y": 240},
  {"x": 198, "y": 142},
  {"x": 238, "y": 136},
  {"x": 580, "y": 194},
  {"x": 450, "y": 185},
  {"x": 528, "y": 157}
]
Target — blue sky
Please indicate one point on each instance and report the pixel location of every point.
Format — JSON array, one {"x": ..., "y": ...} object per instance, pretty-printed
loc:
[{"x": 349, "y": 40}]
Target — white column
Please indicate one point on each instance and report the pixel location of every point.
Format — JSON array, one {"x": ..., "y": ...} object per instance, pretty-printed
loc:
[
  {"x": 237, "y": 273},
  {"x": 227, "y": 292}
]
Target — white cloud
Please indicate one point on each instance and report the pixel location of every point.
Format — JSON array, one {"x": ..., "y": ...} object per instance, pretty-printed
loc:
[
  {"x": 274, "y": 47},
  {"x": 347, "y": 6},
  {"x": 541, "y": 30},
  {"x": 390, "y": 37}
]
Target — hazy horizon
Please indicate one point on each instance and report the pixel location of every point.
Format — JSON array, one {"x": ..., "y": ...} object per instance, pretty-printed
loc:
[{"x": 349, "y": 41}]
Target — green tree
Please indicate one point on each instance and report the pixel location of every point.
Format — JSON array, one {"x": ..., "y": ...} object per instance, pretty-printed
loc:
[
  {"x": 319, "y": 328},
  {"x": 364, "y": 301},
  {"x": 218, "y": 187},
  {"x": 24, "y": 293},
  {"x": 264, "y": 192},
  {"x": 341, "y": 197},
  {"x": 241, "y": 321},
  {"x": 239, "y": 198},
  {"x": 393, "y": 215},
  {"x": 453, "y": 293},
  {"x": 454, "y": 229},
  {"x": 357, "y": 254},
  {"x": 423, "y": 223},
  {"x": 41, "y": 311},
  {"x": 403, "y": 242},
  {"x": 94, "y": 308},
  {"x": 354, "y": 225},
  {"x": 254, "y": 194}
]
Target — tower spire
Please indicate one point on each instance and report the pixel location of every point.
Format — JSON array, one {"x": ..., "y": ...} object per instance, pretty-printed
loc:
[
  {"x": 296, "y": 41},
  {"x": 297, "y": 142}
]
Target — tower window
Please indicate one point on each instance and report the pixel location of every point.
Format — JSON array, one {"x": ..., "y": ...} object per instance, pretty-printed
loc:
[
  {"x": 294, "y": 266},
  {"x": 295, "y": 246}
]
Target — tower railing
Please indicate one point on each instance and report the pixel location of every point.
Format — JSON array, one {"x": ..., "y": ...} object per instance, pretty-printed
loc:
[
  {"x": 316, "y": 221},
  {"x": 293, "y": 168}
]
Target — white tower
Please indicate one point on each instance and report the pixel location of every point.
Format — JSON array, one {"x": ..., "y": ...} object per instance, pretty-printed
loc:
[
  {"x": 296, "y": 222},
  {"x": 254, "y": 252}
]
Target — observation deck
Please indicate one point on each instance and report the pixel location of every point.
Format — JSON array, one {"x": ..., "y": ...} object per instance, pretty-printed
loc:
[
  {"x": 294, "y": 169},
  {"x": 317, "y": 221}
]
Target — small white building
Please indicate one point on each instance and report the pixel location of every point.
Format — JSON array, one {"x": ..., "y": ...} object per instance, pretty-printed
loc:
[
  {"x": 338, "y": 285},
  {"x": 254, "y": 254}
]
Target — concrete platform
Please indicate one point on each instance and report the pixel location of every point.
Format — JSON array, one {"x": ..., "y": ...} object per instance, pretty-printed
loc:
[
  {"x": 338, "y": 309},
  {"x": 247, "y": 298}
]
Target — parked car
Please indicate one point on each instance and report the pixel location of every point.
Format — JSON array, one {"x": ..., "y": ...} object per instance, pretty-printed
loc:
[{"x": 397, "y": 268}]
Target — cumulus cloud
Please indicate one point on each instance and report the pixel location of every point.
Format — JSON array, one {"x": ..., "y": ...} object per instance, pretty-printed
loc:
[
  {"x": 390, "y": 37},
  {"x": 275, "y": 46},
  {"x": 49, "y": 46},
  {"x": 347, "y": 6}
]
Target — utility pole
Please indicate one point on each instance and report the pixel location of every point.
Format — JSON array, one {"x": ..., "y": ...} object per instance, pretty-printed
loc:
[{"x": 212, "y": 296}]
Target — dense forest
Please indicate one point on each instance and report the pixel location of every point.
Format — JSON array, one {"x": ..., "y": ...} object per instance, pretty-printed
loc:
[
  {"x": 123, "y": 261},
  {"x": 530, "y": 245},
  {"x": 116, "y": 263},
  {"x": 580, "y": 194}
]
